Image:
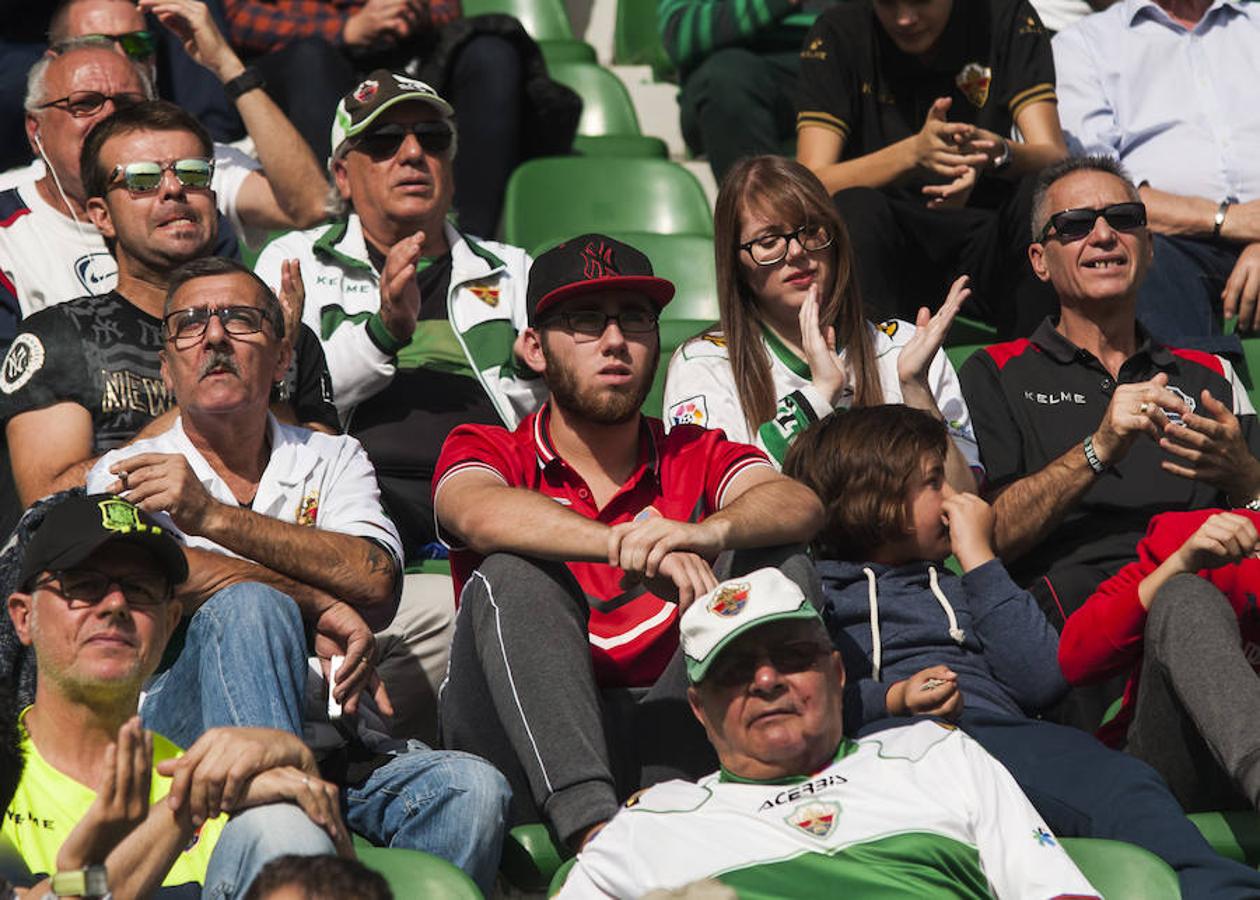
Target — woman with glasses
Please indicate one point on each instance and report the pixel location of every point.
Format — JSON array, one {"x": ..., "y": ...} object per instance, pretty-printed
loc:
[{"x": 793, "y": 342}]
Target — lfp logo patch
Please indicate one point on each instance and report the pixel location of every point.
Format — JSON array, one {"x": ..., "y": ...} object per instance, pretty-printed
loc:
[
  {"x": 817, "y": 819},
  {"x": 730, "y": 600},
  {"x": 691, "y": 411}
]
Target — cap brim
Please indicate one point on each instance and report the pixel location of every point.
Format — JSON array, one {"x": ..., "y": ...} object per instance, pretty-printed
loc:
[
  {"x": 436, "y": 102},
  {"x": 164, "y": 549},
  {"x": 698, "y": 668},
  {"x": 658, "y": 290}
]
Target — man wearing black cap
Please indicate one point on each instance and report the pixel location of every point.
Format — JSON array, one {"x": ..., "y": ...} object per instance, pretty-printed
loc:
[
  {"x": 637, "y": 516},
  {"x": 96, "y": 601}
]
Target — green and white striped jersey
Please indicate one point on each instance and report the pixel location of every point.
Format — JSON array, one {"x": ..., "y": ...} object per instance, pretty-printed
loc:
[{"x": 918, "y": 811}]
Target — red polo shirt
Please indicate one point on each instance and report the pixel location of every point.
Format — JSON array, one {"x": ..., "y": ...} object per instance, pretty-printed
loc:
[{"x": 682, "y": 475}]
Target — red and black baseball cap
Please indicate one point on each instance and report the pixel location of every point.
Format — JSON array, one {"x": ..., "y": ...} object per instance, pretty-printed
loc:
[{"x": 590, "y": 264}]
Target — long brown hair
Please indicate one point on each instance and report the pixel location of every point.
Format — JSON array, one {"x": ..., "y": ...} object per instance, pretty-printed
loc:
[{"x": 787, "y": 191}]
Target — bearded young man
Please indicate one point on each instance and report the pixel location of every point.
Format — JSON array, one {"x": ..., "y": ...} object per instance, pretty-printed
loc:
[{"x": 574, "y": 535}]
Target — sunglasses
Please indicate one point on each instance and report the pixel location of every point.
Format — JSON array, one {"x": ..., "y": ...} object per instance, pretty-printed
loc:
[
  {"x": 81, "y": 104},
  {"x": 789, "y": 658},
  {"x": 144, "y": 176},
  {"x": 382, "y": 143},
  {"x": 189, "y": 325},
  {"x": 138, "y": 45},
  {"x": 82, "y": 588},
  {"x": 1074, "y": 224}
]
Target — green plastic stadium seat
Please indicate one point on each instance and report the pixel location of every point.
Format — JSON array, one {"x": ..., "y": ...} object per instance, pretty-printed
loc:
[
  {"x": 637, "y": 40},
  {"x": 606, "y": 104},
  {"x": 632, "y": 145},
  {"x": 1250, "y": 370},
  {"x": 1122, "y": 871},
  {"x": 530, "y": 858},
  {"x": 558, "y": 197},
  {"x": 428, "y": 567},
  {"x": 562, "y": 873},
  {"x": 567, "y": 52},
  {"x": 1234, "y": 834},
  {"x": 960, "y": 353},
  {"x": 970, "y": 331},
  {"x": 687, "y": 261},
  {"x": 413, "y": 874},
  {"x": 545, "y": 20}
]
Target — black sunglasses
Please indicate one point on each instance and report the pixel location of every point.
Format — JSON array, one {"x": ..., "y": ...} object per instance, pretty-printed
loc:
[
  {"x": 81, "y": 588},
  {"x": 789, "y": 658},
  {"x": 1074, "y": 224},
  {"x": 381, "y": 143}
]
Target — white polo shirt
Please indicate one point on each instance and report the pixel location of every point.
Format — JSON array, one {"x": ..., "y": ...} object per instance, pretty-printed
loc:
[{"x": 315, "y": 479}]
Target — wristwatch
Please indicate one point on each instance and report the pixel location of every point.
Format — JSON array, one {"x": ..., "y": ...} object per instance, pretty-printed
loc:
[
  {"x": 90, "y": 882},
  {"x": 1004, "y": 159},
  {"x": 246, "y": 81},
  {"x": 1219, "y": 219}
]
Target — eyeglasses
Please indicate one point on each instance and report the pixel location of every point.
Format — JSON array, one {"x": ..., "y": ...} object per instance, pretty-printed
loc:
[
  {"x": 771, "y": 249},
  {"x": 189, "y": 325},
  {"x": 84, "y": 588},
  {"x": 382, "y": 143},
  {"x": 138, "y": 45},
  {"x": 592, "y": 322},
  {"x": 1074, "y": 224},
  {"x": 788, "y": 658},
  {"x": 81, "y": 104},
  {"x": 146, "y": 175}
]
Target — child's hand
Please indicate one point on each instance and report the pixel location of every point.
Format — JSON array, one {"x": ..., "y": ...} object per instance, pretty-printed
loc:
[
  {"x": 970, "y": 522},
  {"x": 929, "y": 692},
  {"x": 1223, "y": 539}
]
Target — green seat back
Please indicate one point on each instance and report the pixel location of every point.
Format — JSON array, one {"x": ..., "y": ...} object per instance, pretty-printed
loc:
[
  {"x": 1250, "y": 370},
  {"x": 637, "y": 40},
  {"x": 606, "y": 104},
  {"x": 1122, "y": 871},
  {"x": 413, "y": 874},
  {"x": 530, "y": 858},
  {"x": 687, "y": 261},
  {"x": 558, "y": 880},
  {"x": 567, "y": 52},
  {"x": 970, "y": 331},
  {"x": 1232, "y": 834},
  {"x": 960, "y": 353},
  {"x": 620, "y": 145},
  {"x": 559, "y": 197},
  {"x": 545, "y": 20},
  {"x": 673, "y": 333}
]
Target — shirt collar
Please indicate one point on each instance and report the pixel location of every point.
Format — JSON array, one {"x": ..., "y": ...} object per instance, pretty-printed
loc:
[
  {"x": 1134, "y": 9},
  {"x": 1059, "y": 348},
  {"x": 846, "y": 747},
  {"x": 545, "y": 448}
]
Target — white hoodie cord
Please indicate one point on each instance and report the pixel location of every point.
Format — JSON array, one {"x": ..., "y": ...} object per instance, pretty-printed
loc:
[
  {"x": 874, "y": 605},
  {"x": 954, "y": 631}
]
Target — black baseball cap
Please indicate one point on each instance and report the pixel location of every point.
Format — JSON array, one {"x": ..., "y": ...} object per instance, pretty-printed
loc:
[
  {"x": 382, "y": 89},
  {"x": 589, "y": 264},
  {"x": 75, "y": 528}
]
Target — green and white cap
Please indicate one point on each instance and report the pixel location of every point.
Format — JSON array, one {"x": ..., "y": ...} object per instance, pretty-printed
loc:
[
  {"x": 735, "y": 606},
  {"x": 372, "y": 96}
]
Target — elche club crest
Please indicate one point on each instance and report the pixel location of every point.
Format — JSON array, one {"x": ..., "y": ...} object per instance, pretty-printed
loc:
[
  {"x": 730, "y": 600},
  {"x": 974, "y": 81},
  {"x": 366, "y": 90},
  {"x": 815, "y": 818}
]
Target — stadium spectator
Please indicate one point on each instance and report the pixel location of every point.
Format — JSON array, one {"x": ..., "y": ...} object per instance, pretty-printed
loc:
[
  {"x": 323, "y": 878},
  {"x": 737, "y": 67},
  {"x": 918, "y": 640},
  {"x": 96, "y": 601},
  {"x": 1165, "y": 87},
  {"x": 83, "y": 377},
  {"x": 1091, "y": 427},
  {"x": 924, "y": 808},
  {"x": 906, "y": 112},
  {"x": 418, "y": 321},
  {"x": 1181, "y": 623},
  {"x": 314, "y": 53},
  {"x": 594, "y": 521},
  {"x": 788, "y": 298},
  {"x": 300, "y": 511}
]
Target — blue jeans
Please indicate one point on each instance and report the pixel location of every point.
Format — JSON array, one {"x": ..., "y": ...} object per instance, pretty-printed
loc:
[
  {"x": 255, "y": 837},
  {"x": 243, "y": 663},
  {"x": 1180, "y": 300},
  {"x": 453, "y": 805}
]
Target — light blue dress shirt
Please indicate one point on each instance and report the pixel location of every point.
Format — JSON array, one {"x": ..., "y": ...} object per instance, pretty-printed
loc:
[{"x": 1180, "y": 108}]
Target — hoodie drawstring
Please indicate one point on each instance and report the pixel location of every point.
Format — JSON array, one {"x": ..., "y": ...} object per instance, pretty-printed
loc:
[
  {"x": 954, "y": 631},
  {"x": 874, "y": 605}
]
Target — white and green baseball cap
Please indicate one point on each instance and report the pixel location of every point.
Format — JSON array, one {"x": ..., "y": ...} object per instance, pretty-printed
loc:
[
  {"x": 372, "y": 96},
  {"x": 735, "y": 606}
]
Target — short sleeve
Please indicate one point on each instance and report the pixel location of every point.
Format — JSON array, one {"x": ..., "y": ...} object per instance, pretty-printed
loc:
[
  {"x": 472, "y": 448},
  {"x": 1001, "y": 444},
  {"x": 231, "y": 168},
  {"x": 825, "y": 96},
  {"x": 311, "y": 391},
  {"x": 1027, "y": 58},
  {"x": 725, "y": 461},
  {"x": 351, "y": 501},
  {"x": 44, "y": 365}
]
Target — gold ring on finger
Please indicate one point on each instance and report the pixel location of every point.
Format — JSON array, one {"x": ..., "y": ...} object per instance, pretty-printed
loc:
[{"x": 1144, "y": 407}]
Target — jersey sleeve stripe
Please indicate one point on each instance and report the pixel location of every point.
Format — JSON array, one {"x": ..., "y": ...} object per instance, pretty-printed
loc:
[
  {"x": 1039, "y": 94},
  {"x": 822, "y": 120},
  {"x": 740, "y": 465},
  {"x": 474, "y": 464}
]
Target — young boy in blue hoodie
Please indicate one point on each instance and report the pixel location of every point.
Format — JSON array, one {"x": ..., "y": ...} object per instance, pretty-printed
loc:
[{"x": 919, "y": 640}]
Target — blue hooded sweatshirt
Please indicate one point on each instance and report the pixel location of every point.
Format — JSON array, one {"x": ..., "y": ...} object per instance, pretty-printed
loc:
[{"x": 891, "y": 622}]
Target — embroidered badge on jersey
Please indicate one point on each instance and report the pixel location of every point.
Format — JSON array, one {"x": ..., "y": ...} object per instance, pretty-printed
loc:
[
  {"x": 692, "y": 411},
  {"x": 974, "y": 81},
  {"x": 1043, "y": 837},
  {"x": 889, "y": 328},
  {"x": 814, "y": 50},
  {"x": 308, "y": 509},
  {"x": 815, "y": 818},
  {"x": 485, "y": 293},
  {"x": 716, "y": 340},
  {"x": 24, "y": 359},
  {"x": 1172, "y": 414}
]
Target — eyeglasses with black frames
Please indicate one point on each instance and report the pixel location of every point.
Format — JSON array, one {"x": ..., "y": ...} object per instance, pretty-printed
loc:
[{"x": 771, "y": 249}]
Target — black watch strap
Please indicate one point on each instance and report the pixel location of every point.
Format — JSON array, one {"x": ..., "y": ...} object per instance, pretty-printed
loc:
[{"x": 246, "y": 81}]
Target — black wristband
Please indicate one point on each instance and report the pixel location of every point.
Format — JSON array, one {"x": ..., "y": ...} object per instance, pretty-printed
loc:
[{"x": 246, "y": 81}]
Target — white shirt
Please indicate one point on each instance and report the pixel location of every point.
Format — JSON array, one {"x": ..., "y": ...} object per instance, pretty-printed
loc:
[
  {"x": 1176, "y": 106},
  {"x": 313, "y": 479},
  {"x": 925, "y": 798}
]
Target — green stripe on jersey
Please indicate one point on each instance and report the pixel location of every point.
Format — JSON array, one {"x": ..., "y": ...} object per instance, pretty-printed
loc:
[{"x": 904, "y": 865}]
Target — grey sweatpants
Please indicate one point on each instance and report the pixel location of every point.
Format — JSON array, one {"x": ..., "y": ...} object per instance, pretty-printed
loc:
[
  {"x": 1197, "y": 716},
  {"x": 521, "y": 693}
]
